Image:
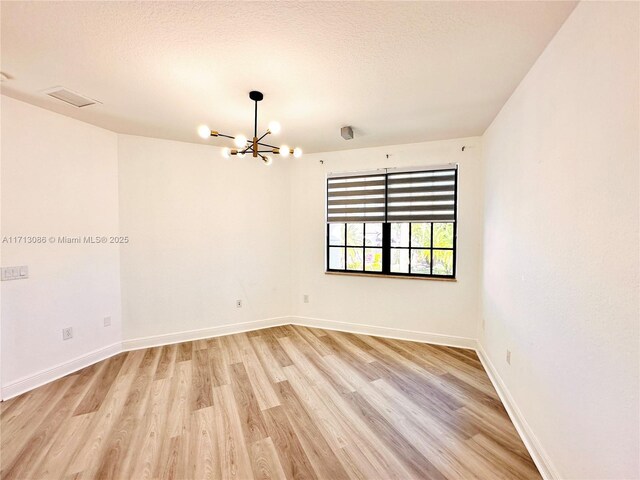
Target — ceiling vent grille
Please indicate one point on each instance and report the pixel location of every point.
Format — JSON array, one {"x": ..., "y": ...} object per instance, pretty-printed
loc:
[{"x": 70, "y": 97}]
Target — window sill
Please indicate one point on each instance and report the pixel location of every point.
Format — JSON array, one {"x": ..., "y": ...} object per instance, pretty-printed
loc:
[{"x": 404, "y": 277}]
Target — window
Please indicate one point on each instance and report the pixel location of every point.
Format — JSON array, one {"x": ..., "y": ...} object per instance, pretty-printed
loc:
[{"x": 393, "y": 222}]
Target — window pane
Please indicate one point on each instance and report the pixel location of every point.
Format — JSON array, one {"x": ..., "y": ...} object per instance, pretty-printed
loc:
[
  {"x": 354, "y": 258},
  {"x": 373, "y": 234},
  {"x": 400, "y": 260},
  {"x": 442, "y": 262},
  {"x": 355, "y": 234},
  {"x": 421, "y": 235},
  {"x": 336, "y": 233},
  {"x": 400, "y": 235},
  {"x": 443, "y": 235},
  {"x": 336, "y": 258},
  {"x": 373, "y": 259},
  {"x": 421, "y": 261}
]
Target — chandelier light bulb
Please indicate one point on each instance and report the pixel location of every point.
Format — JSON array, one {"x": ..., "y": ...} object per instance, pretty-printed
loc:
[
  {"x": 284, "y": 151},
  {"x": 268, "y": 160},
  {"x": 226, "y": 152},
  {"x": 240, "y": 141},
  {"x": 274, "y": 127},
  {"x": 204, "y": 131},
  {"x": 297, "y": 152}
]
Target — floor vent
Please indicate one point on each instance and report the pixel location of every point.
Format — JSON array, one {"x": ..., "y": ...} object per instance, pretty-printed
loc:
[{"x": 70, "y": 97}]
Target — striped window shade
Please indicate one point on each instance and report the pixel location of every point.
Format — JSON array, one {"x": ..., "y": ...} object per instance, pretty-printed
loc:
[
  {"x": 354, "y": 198},
  {"x": 425, "y": 196},
  {"x": 393, "y": 195}
]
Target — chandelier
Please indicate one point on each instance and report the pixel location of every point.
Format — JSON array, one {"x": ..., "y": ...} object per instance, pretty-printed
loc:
[{"x": 254, "y": 145}]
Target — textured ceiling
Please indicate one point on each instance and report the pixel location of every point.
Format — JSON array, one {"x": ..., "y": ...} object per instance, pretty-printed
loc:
[{"x": 398, "y": 72}]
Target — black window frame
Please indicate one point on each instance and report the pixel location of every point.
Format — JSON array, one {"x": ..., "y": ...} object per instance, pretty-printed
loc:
[{"x": 386, "y": 246}]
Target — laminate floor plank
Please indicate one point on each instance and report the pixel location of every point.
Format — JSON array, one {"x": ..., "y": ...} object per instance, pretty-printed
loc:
[
  {"x": 48, "y": 431},
  {"x": 219, "y": 362},
  {"x": 167, "y": 362},
  {"x": 276, "y": 350},
  {"x": 293, "y": 459},
  {"x": 250, "y": 415},
  {"x": 21, "y": 426},
  {"x": 265, "y": 462},
  {"x": 91, "y": 448},
  {"x": 149, "y": 435},
  {"x": 68, "y": 440},
  {"x": 268, "y": 359},
  {"x": 201, "y": 380},
  {"x": 232, "y": 448},
  {"x": 18, "y": 456},
  {"x": 185, "y": 350},
  {"x": 204, "y": 462},
  {"x": 117, "y": 451},
  {"x": 318, "y": 450},
  {"x": 258, "y": 378},
  {"x": 287, "y": 402}
]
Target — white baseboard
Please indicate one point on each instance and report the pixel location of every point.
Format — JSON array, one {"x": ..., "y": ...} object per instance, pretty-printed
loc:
[
  {"x": 30, "y": 382},
  {"x": 537, "y": 452},
  {"x": 399, "y": 334},
  {"x": 49, "y": 375},
  {"x": 189, "y": 335}
]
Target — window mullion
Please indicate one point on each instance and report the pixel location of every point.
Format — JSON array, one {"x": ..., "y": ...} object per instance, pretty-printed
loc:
[
  {"x": 386, "y": 233},
  {"x": 431, "y": 250},
  {"x": 386, "y": 248}
]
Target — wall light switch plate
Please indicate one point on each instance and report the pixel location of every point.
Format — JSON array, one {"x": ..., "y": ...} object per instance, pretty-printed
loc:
[
  {"x": 238, "y": 303},
  {"x": 107, "y": 321},
  {"x": 15, "y": 273},
  {"x": 305, "y": 298}
]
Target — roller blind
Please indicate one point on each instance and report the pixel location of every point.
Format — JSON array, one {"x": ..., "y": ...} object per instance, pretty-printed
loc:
[
  {"x": 356, "y": 198},
  {"x": 427, "y": 195}
]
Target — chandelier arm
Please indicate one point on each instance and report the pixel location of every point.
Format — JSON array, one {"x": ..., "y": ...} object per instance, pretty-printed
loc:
[
  {"x": 225, "y": 136},
  {"x": 267, "y": 145},
  {"x": 249, "y": 143},
  {"x": 264, "y": 135}
]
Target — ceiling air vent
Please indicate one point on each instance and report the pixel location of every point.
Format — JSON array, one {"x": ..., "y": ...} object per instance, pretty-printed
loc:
[{"x": 70, "y": 97}]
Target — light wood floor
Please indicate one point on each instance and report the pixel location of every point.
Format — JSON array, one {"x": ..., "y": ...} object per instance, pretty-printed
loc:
[{"x": 286, "y": 402}]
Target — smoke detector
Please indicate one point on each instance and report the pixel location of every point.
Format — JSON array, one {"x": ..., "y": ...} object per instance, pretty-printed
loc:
[{"x": 72, "y": 98}]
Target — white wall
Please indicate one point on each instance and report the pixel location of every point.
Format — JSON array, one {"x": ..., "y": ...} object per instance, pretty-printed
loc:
[
  {"x": 560, "y": 283},
  {"x": 431, "y": 306},
  {"x": 59, "y": 177},
  {"x": 204, "y": 232}
]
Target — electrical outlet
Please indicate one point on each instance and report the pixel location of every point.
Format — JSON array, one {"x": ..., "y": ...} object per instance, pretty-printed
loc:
[
  {"x": 305, "y": 298},
  {"x": 509, "y": 357},
  {"x": 238, "y": 303},
  {"x": 67, "y": 333},
  {"x": 107, "y": 321}
]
